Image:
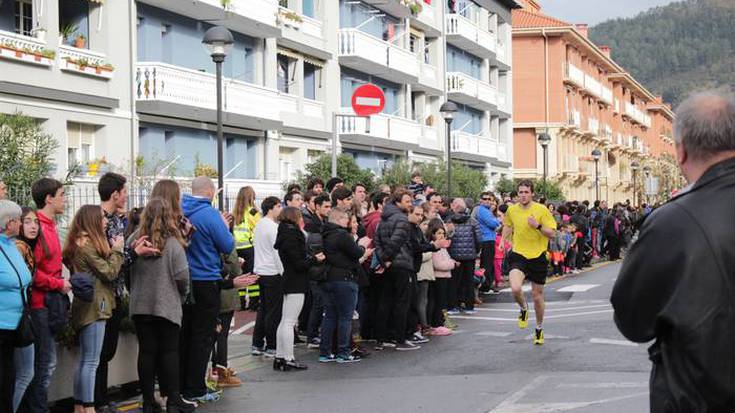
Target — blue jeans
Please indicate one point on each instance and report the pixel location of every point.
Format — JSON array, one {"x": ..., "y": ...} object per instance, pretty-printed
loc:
[
  {"x": 91, "y": 338},
  {"x": 23, "y": 360},
  {"x": 44, "y": 363},
  {"x": 340, "y": 300}
]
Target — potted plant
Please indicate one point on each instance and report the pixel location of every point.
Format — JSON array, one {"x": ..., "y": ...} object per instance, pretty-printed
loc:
[
  {"x": 82, "y": 64},
  {"x": 80, "y": 42},
  {"x": 40, "y": 33},
  {"x": 66, "y": 31}
]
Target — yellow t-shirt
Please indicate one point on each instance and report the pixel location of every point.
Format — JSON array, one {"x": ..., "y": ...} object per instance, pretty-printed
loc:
[{"x": 527, "y": 241}]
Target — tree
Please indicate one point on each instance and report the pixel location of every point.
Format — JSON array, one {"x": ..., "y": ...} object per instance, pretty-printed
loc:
[
  {"x": 542, "y": 189},
  {"x": 26, "y": 154},
  {"x": 347, "y": 169},
  {"x": 466, "y": 182}
]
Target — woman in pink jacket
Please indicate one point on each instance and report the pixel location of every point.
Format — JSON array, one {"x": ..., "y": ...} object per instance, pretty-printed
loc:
[{"x": 443, "y": 266}]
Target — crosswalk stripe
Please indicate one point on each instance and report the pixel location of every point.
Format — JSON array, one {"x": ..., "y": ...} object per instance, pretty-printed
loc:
[
  {"x": 613, "y": 342},
  {"x": 577, "y": 288},
  {"x": 563, "y": 315},
  {"x": 515, "y": 310}
]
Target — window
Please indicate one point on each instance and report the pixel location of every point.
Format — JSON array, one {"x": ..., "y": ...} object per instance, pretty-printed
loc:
[
  {"x": 427, "y": 53},
  {"x": 312, "y": 155},
  {"x": 460, "y": 61},
  {"x": 352, "y": 79},
  {"x": 75, "y": 15},
  {"x": 288, "y": 172},
  {"x": 310, "y": 75},
  {"x": 23, "y": 17},
  {"x": 79, "y": 143},
  {"x": 286, "y": 72},
  {"x": 413, "y": 43}
]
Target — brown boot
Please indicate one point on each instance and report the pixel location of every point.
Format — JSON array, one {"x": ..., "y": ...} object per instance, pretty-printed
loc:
[{"x": 227, "y": 378}]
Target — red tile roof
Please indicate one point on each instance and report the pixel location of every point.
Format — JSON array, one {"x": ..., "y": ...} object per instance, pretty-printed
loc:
[{"x": 523, "y": 18}]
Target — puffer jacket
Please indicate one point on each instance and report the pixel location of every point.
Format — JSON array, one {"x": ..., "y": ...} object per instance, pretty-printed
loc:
[
  {"x": 443, "y": 264},
  {"x": 393, "y": 239},
  {"x": 291, "y": 246},
  {"x": 343, "y": 253},
  {"x": 681, "y": 296},
  {"x": 466, "y": 239}
]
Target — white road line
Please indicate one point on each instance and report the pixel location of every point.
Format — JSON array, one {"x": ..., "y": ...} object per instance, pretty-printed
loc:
[
  {"x": 467, "y": 317},
  {"x": 578, "y": 314},
  {"x": 243, "y": 328},
  {"x": 613, "y": 342},
  {"x": 620, "y": 385},
  {"x": 474, "y": 317},
  {"x": 493, "y": 334},
  {"x": 526, "y": 287},
  {"x": 515, "y": 310},
  {"x": 577, "y": 288}
]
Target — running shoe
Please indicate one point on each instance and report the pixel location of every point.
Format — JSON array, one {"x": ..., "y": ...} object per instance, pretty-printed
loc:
[
  {"x": 442, "y": 331},
  {"x": 257, "y": 351},
  {"x": 523, "y": 319},
  {"x": 327, "y": 359},
  {"x": 417, "y": 338},
  {"x": 314, "y": 342},
  {"x": 270, "y": 353},
  {"x": 453, "y": 311},
  {"x": 538, "y": 338},
  {"x": 407, "y": 346},
  {"x": 348, "y": 359}
]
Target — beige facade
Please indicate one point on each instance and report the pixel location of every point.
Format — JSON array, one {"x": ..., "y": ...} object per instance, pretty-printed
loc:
[{"x": 569, "y": 88}]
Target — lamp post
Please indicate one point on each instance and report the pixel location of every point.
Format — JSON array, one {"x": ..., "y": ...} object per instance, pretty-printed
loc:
[
  {"x": 596, "y": 154},
  {"x": 634, "y": 167},
  {"x": 448, "y": 109},
  {"x": 218, "y": 41},
  {"x": 647, "y": 172},
  {"x": 544, "y": 140}
]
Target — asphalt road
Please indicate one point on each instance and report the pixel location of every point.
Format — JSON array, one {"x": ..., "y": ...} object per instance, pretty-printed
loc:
[{"x": 489, "y": 365}]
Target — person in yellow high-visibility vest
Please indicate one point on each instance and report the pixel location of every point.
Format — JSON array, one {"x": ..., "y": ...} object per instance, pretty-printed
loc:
[{"x": 246, "y": 216}]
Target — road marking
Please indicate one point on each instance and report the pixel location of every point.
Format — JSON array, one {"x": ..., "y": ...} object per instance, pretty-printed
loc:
[
  {"x": 579, "y": 314},
  {"x": 466, "y": 317},
  {"x": 493, "y": 334},
  {"x": 577, "y": 288},
  {"x": 474, "y": 317},
  {"x": 531, "y": 336},
  {"x": 621, "y": 385},
  {"x": 244, "y": 328},
  {"x": 526, "y": 288},
  {"x": 515, "y": 310},
  {"x": 613, "y": 342}
]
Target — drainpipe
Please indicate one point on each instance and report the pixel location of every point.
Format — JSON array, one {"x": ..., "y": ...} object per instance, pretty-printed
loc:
[
  {"x": 546, "y": 82},
  {"x": 133, "y": 114}
]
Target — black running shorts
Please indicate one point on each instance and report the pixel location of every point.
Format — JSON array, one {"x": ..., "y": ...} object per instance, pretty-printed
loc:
[{"x": 535, "y": 269}]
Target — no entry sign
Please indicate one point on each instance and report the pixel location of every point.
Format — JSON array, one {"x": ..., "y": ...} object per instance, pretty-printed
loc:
[{"x": 368, "y": 100}]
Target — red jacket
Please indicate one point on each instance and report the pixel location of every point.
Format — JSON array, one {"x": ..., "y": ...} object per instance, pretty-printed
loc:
[
  {"x": 48, "y": 263},
  {"x": 371, "y": 221}
]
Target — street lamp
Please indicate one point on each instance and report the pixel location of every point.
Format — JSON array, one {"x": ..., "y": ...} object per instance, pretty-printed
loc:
[
  {"x": 218, "y": 41},
  {"x": 544, "y": 140},
  {"x": 647, "y": 172},
  {"x": 634, "y": 167},
  {"x": 596, "y": 154},
  {"x": 448, "y": 109}
]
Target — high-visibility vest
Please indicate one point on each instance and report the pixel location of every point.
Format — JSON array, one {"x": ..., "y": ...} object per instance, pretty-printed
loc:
[
  {"x": 244, "y": 231},
  {"x": 251, "y": 291}
]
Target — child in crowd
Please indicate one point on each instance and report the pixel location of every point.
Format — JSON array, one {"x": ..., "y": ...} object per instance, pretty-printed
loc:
[
  {"x": 443, "y": 266},
  {"x": 556, "y": 249}
]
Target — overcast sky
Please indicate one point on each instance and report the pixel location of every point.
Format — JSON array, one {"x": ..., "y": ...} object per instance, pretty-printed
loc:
[{"x": 596, "y": 11}]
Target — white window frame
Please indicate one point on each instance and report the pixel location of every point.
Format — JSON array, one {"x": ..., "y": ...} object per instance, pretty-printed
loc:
[{"x": 22, "y": 17}]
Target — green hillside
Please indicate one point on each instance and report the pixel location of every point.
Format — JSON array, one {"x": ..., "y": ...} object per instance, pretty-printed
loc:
[{"x": 676, "y": 49}]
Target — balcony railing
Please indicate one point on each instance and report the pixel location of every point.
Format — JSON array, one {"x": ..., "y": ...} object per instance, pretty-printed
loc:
[
  {"x": 471, "y": 91},
  {"x": 607, "y": 95},
  {"x": 605, "y": 133},
  {"x": 500, "y": 52},
  {"x": 25, "y": 49},
  {"x": 427, "y": 16},
  {"x": 466, "y": 34},
  {"x": 382, "y": 126},
  {"x": 593, "y": 86},
  {"x": 296, "y": 21},
  {"x": 575, "y": 119},
  {"x": 637, "y": 115},
  {"x": 429, "y": 76},
  {"x": 84, "y": 61},
  {"x": 173, "y": 84},
  {"x": 474, "y": 144},
  {"x": 573, "y": 74},
  {"x": 375, "y": 55}
]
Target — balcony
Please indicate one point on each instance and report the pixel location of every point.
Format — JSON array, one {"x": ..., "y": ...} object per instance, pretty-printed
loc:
[
  {"x": 571, "y": 164},
  {"x": 470, "y": 91},
  {"x": 592, "y": 86},
  {"x": 429, "y": 79},
  {"x": 573, "y": 75},
  {"x": 470, "y": 144},
  {"x": 25, "y": 49},
  {"x": 173, "y": 90},
  {"x": 575, "y": 119},
  {"x": 468, "y": 36},
  {"x": 605, "y": 133},
  {"x": 304, "y": 24},
  {"x": 360, "y": 51},
  {"x": 607, "y": 95},
  {"x": 397, "y": 8},
  {"x": 503, "y": 103},
  {"x": 501, "y": 53},
  {"x": 593, "y": 126},
  {"x": 427, "y": 20},
  {"x": 255, "y": 18},
  {"x": 637, "y": 115},
  {"x": 85, "y": 62},
  {"x": 392, "y": 128},
  {"x": 616, "y": 105}
]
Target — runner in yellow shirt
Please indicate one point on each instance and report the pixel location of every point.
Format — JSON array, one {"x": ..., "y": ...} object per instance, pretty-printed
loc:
[{"x": 530, "y": 225}]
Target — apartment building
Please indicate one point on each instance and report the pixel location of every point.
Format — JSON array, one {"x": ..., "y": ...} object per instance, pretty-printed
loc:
[
  {"x": 573, "y": 91},
  {"x": 293, "y": 66},
  {"x": 77, "y": 85}
]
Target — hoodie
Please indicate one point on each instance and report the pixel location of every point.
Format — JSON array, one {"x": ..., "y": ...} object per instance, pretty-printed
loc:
[{"x": 209, "y": 241}]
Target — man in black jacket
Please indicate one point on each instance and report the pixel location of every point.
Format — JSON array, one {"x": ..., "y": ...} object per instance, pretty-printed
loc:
[
  {"x": 315, "y": 213},
  {"x": 677, "y": 283},
  {"x": 394, "y": 248}
]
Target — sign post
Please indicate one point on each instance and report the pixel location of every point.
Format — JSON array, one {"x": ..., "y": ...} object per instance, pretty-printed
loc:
[{"x": 366, "y": 100}]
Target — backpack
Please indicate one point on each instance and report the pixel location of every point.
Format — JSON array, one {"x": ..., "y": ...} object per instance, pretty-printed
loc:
[{"x": 318, "y": 270}]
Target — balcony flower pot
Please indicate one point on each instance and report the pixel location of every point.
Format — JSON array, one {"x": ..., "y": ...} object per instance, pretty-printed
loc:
[
  {"x": 19, "y": 54},
  {"x": 41, "y": 34}
]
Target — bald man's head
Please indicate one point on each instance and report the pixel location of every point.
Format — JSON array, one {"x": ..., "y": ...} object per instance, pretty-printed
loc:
[
  {"x": 458, "y": 205},
  {"x": 203, "y": 186},
  {"x": 705, "y": 125}
]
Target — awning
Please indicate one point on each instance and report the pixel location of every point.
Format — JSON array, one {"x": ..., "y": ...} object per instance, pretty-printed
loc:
[{"x": 288, "y": 53}]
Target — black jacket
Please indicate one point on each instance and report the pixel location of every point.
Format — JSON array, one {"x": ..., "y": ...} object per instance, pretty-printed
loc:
[
  {"x": 677, "y": 286},
  {"x": 343, "y": 253},
  {"x": 419, "y": 245},
  {"x": 392, "y": 239},
  {"x": 291, "y": 246},
  {"x": 312, "y": 222},
  {"x": 467, "y": 237}
]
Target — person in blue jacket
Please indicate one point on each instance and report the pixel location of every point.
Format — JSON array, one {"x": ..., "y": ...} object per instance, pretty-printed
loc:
[
  {"x": 486, "y": 217},
  {"x": 210, "y": 240},
  {"x": 14, "y": 280}
]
